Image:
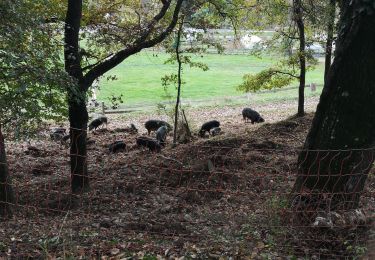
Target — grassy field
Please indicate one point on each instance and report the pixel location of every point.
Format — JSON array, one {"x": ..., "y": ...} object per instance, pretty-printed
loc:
[{"x": 139, "y": 79}]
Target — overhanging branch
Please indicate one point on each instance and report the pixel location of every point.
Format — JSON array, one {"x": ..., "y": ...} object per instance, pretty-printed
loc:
[
  {"x": 139, "y": 44},
  {"x": 284, "y": 73}
]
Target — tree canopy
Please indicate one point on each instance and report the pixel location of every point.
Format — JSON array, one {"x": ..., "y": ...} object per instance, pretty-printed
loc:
[{"x": 32, "y": 78}]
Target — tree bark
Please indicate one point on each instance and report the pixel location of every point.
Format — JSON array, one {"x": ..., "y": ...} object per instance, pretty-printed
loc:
[
  {"x": 6, "y": 191},
  {"x": 339, "y": 149},
  {"x": 329, "y": 41},
  {"x": 297, "y": 9},
  {"x": 78, "y": 116},
  {"x": 179, "y": 32}
]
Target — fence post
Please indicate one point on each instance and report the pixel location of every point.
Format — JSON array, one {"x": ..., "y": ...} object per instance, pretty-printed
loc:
[
  {"x": 103, "y": 108},
  {"x": 312, "y": 87}
]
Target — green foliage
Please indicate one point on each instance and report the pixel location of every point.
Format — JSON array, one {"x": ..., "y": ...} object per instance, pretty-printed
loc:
[
  {"x": 266, "y": 79},
  {"x": 149, "y": 257},
  {"x": 279, "y": 75},
  {"x": 167, "y": 80},
  {"x": 115, "y": 101},
  {"x": 108, "y": 27},
  {"x": 285, "y": 41},
  {"x": 32, "y": 78},
  {"x": 186, "y": 60},
  {"x": 48, "y": 243}
]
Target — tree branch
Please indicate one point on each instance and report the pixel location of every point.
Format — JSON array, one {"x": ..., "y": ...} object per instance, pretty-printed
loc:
[
  {"x": 155, "y": 20},
  {"x": 287, "y": 35},
  {"x": 139, "y": 44},
  {"x": 285, "y": 73},
  {"x": 96, "y": 63}
]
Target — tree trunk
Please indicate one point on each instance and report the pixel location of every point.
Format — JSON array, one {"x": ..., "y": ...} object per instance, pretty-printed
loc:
[
  {"x": 78, "y": 118},
  {"x": 343, "y": 129},
  {"x": 179, "y": 32},
  {"x": 329, "y": 42},
  {"x": 297, "y": 8},
  {"x": 6, "y": 191}
]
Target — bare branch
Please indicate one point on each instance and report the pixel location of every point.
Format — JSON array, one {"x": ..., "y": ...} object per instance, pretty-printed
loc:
[
  {"x": 287, "y": 35},
  {"x": 155, "y": 20}
]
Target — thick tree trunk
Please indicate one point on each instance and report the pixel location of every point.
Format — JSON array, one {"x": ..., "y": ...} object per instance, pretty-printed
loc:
[
  {"x": 329, "y": 41},
  {"x": 343, "y": 130},
  {"x": 6, "y": 191},
  {"x": 78, "y": 118},
  {"x": 297, "y": 8}
]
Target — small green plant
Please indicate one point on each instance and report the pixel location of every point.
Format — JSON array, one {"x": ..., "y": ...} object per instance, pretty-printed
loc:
[
  {"x": 47, "y": 243},
  {"x": 3, "y": 247},
  {"x": 114, "y": 241},
  {"x": 115, "y": 101},
  {"x": 149, "y": 257},
  {"x": 274, "y": 220},
  {"x": 356, "y": 250},
  {"x": 277, "y": 203}
]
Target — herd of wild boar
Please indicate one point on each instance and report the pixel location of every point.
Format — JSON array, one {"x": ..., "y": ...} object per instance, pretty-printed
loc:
[{"x": 160, "y": 127}]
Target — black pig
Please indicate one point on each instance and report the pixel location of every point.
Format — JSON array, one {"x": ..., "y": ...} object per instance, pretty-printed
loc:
[
  {"x": 253, "y": 115},
  {"x": 215, "y": 131},
  {"x": 153, "y": 125},
  {"x": 98, "y": 122},
  {"x": 150, "y": 143},
  {"x": 206, "y": 127},
  {"x": 57, "y": 133},
  {"x": 117, "y": 146}
]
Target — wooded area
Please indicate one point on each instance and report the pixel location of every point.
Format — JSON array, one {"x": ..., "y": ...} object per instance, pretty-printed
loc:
[{"x": 314, "y": 170}]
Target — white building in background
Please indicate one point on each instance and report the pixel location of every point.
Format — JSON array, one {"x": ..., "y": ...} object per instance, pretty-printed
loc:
[
  {"x": 316, "y": 48},
  {"x": 250, "y": 41},
  {"x": 191, "y": 34}
]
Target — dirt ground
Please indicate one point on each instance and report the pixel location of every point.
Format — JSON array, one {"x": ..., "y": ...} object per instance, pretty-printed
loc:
[{"x": 223, "y": 197}]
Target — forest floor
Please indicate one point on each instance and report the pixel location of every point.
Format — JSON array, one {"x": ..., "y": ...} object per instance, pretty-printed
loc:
[{"x": 214, "y": 198}]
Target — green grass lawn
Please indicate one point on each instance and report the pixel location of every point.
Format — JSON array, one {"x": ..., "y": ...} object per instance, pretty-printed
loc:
[{"x": 139, "y": 78}]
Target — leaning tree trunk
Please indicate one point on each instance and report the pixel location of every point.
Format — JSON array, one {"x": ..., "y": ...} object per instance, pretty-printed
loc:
[
  {"x": 297, "y": 9},
  {"x": 6, "y": 192},
  {"x": 343, "y": 129},
  {"x": 329, "y": 41}
]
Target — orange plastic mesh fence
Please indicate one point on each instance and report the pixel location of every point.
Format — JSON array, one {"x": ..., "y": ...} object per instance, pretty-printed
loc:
[{"x": 192, "y": 200}]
